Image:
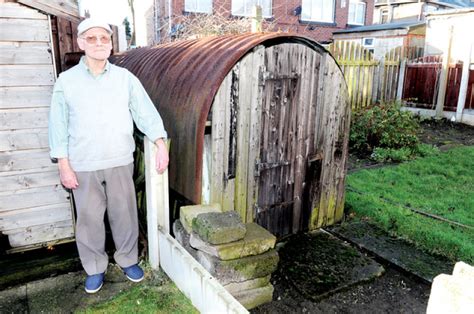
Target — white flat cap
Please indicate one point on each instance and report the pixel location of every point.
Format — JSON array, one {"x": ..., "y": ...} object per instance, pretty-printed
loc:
[{"x": 92, "y": 22}]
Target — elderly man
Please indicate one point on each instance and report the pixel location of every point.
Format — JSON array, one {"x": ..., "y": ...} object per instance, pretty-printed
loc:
[{"x": 91, "y": 119}]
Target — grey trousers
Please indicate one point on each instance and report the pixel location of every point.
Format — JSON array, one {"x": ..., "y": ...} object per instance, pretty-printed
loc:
[{"x": 110, "y": 189}]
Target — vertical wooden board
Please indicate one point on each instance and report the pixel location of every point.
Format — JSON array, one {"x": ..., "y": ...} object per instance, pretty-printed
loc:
[
  {"x": 25, "y": 53},
  {"x": 230, "y": 141},
  {"x": 25, "y": 97},
  {"x": 219, "y": 125},
  {"x": 15, "y": 10},
  {"x": 26, "y": 75},
  {"x": 25, "y": 118},
  {"x": 255, "y": 131},
  {"x": 23, "y": 139},
  {"x": 24, "y": 30},
  {"x": 329, "y": 99},
  {"x": 248, "y": 81},
  {"x": 42, "y": 234}
]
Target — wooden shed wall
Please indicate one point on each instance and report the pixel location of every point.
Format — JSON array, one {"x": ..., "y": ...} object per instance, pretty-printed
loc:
[
  {"x": 278, "y": 146},
  {"x": 34, "y": 207}
]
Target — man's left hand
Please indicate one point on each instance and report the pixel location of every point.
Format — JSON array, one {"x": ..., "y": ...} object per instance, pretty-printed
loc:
[{"x": 162, "y": 157}]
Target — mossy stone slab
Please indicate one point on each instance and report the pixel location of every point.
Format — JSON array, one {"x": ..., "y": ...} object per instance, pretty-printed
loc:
[
  {"x": 188, "y": 213},
  {"x": 182, "y": 236},
  {"x": 254, "y": 297},
  {"x": 235, "y": 288},
  {"x": 219, "y": 228},
  {"x": 238, "y": 270},
  {"x": 257, "y": 240}
]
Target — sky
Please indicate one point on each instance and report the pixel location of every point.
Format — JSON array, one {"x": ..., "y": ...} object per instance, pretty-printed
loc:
[{"x": 112, "y": 11}]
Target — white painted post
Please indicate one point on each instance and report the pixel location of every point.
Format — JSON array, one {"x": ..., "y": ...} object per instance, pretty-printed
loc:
[
  {"x": 464, "y": 80},
  {"x": 257, "y": 19},
  {"x": 443, "y": 78},
  {"x": 401, "y": 78},
  {"x": 157, "y": 202}
]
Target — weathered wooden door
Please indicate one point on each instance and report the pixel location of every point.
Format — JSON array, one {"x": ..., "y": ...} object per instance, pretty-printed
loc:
[{"x": 286, "y": 143}]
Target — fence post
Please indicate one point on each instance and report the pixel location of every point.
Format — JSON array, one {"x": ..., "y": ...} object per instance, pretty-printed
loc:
[
  {"x": 257, "y": 19},
  {"x": 157, "y": 201},
  {"x": 464, "y": 83},
  {"x": 443, "y": 80},
  {"x": 401, "y": 78}
]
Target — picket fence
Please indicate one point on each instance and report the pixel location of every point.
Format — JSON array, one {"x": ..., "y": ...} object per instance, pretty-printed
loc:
[{"x": 370, "y": 80}]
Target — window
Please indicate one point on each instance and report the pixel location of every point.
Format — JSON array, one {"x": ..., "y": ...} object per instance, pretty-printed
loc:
[
  {"x": 244, "y": 7},
  {"x": 384, "y": 16},
  {"x": 318, "y": 11},
  {"x": 368, "y": 42},
  {"x": 198, "y": 6},
  {"x": 356, "y": 12}
]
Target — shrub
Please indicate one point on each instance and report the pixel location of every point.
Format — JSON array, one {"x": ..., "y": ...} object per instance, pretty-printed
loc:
[{"x": 385, "y": 133}]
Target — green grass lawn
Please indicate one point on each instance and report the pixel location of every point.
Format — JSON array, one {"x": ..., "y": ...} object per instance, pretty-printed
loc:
[
  {"x": 442, "y": 185},
  {"x": 147, "y": 298}
]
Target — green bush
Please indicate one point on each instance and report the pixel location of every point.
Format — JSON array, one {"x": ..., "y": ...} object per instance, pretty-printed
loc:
[{"x": 385, "y": 133}]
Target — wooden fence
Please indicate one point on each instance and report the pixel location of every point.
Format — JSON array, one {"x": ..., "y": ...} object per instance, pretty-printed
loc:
[
  {"x": 370, "y": 80},
  {"x": 420, "y": 87}
]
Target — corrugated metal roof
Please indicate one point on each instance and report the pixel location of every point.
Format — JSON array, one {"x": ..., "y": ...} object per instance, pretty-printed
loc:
[
  {"x": 182, "y": 79},
  {"x": 381, "y": 27}
]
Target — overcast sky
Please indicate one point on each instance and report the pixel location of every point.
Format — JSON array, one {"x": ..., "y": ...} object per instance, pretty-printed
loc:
[{"x": 113, "y": 11}]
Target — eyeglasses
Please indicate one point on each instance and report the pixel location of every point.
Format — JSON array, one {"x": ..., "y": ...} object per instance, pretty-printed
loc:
[{"x": 93, "y": 39}]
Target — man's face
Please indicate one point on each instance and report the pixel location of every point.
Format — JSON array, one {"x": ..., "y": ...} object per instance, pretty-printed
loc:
[{"x": 96, "y": 43}]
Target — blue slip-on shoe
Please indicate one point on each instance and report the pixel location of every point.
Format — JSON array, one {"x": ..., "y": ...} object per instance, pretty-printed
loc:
[
  {"x": 94, "y": 283},
  {"x": 134, "y": 273}
]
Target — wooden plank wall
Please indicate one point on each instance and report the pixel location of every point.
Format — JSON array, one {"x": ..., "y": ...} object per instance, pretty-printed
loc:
[
  {"x": 34, "y": 208},
  {"x": 280, "y": 123}
]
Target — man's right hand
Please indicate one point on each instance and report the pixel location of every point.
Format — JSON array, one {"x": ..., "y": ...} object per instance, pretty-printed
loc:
[{"x": 67, "y": 175}]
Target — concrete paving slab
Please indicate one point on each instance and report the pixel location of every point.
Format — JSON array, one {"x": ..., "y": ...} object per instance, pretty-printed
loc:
[{"x": 396, "y": 251}]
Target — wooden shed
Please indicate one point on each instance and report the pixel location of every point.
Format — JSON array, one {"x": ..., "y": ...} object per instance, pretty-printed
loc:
[
  {"x": 36, "y": 38},
  {"x": 258, "y": 123}
]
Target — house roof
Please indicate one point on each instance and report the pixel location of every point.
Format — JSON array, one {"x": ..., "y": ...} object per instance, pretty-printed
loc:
[
  {"x": 456, "y": 3},
  {"x": 381, "y": 27}
]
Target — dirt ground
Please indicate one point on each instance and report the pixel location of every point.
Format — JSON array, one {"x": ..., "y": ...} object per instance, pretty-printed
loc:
[{"x": 395, "y": 291}]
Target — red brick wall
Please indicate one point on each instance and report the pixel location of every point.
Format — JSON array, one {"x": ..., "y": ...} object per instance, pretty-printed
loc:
[{"x": 285, "y": 20}]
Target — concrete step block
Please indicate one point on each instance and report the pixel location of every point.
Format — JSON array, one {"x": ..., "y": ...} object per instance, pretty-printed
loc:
[
  {"x": 219, "y": 228},
  {"x": 237, "y": 287},
  {"x": 188, "y": 213},
  {"x": 241, "y": 269},
  {"x": 254, "y": 297},
  {"x": 257, "y": 240}
]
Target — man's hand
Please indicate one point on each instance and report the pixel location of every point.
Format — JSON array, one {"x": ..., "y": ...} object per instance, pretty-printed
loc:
[
  {"x": 162, "y": 157},
  {"x": 67, "y": 175}
]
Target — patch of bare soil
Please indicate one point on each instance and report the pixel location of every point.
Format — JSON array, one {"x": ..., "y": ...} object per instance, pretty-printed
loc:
[{"x": 393, "y": 292}]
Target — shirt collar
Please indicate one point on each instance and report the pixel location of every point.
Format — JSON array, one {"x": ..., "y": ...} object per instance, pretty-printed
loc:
[{"x": 83, "y": 63}]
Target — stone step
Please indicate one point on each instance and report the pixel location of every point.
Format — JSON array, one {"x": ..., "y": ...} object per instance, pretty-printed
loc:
[
  {"x": 237, "y": 287},
  {"x": 238, "y": 270},
  {"x": 188, "y": 213},
  {"x": 254, "y": 297},
  {"x": 182, "y": 236},
  {"x": 219, "y": 228},
  {"x": 257, "y": 240}
]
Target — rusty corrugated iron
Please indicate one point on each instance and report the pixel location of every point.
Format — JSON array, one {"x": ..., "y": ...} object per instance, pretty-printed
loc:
[{"x": 182, "y": 79}]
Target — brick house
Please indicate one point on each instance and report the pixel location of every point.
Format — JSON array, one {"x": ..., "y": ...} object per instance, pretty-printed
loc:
[{"x": 317, "y": 19}]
